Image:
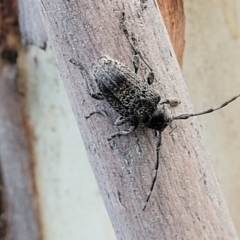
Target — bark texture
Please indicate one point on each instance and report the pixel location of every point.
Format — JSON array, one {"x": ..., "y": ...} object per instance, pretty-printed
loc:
[
  {"x": 173, "y": 16},
  {"x": 15, "y": 158},
  {"x": 186, "y": 202}
]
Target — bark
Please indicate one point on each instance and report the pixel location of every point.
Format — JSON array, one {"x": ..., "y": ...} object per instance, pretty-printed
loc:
[
  {"x": 15, "y": 158},
  {"x": 186, "y": 202},
  {"x": 15, "y": 161},
  {"x": 173, "y": 16},
  {"x": 32, "y": 29}
]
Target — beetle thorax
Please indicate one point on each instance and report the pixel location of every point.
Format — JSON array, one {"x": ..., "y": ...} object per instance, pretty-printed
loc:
[{"x": 160, "y": 119}]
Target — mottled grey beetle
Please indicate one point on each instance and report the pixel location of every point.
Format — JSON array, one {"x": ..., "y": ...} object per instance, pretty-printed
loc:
[{"x": 134, "y": 99}]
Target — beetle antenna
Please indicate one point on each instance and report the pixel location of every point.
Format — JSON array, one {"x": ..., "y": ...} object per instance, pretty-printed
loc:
[{"x": 188, "y": 115}]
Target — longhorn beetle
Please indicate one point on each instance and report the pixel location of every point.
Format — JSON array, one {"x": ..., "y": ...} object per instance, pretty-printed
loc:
[{"x": 134, "y": 99}]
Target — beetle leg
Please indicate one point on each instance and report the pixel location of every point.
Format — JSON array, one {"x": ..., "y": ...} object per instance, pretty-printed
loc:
[
  {"x": 150, "y": 77},
  {"x": 159, "y": 139},
  {"x": 96, "y": 95},
  {"x": 136, "y": 63},
  {"x": 123, "y": 133},
  {"x": 137, "y": 53},
  {"x": 158, "y": 144},
  {"x": 121, "y": 120},
  {"x": 87, "y": 77},
  {"x": 104, "y": 114},
  {"x": 173, "y": 102}
]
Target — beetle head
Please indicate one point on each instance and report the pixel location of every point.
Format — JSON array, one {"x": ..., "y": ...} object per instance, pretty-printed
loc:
[{"x": 160, "y": 119}]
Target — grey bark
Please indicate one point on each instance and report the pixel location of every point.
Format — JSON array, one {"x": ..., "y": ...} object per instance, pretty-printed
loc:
[
  {"x": 186, "y": 202},
  {"x": 32, "y": 29},
  {"x": 15, "y": 160}
]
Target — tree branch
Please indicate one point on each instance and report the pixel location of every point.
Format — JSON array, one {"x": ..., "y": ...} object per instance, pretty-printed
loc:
[{"x": 186, "y": 202}]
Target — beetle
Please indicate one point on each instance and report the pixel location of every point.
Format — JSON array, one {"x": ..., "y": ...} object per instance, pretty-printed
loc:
[{"x": 136, "y": 101}]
